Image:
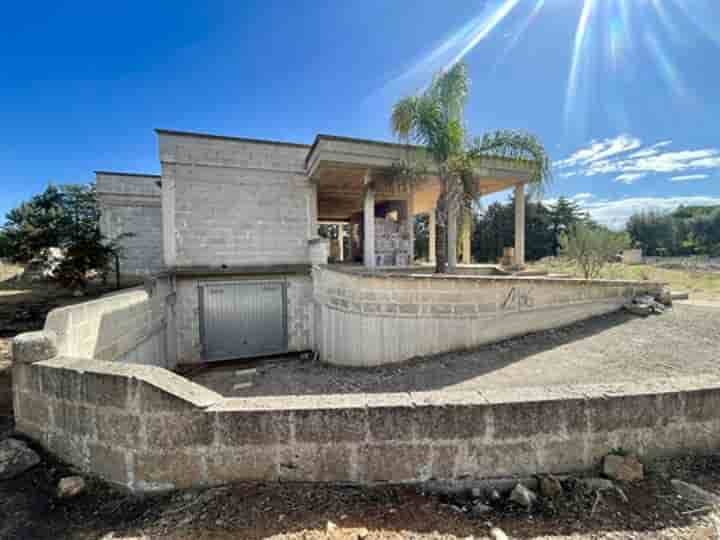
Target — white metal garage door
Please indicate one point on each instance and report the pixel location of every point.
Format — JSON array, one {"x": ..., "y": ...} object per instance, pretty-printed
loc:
[{"x": 239, "y": 319}]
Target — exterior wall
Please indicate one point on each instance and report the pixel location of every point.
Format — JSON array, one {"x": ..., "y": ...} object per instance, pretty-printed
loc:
[
  {"x": 129, "y": 327},
  {"x": 131, "y": 204},
  {"x": 187, "y": 313},
  {"x": 235, "y": 202},
  {"x": 371, "y": 318},
  {"x": 147, "y": 429}
]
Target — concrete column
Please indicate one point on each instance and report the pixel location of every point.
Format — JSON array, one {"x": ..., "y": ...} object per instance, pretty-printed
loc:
[
  {"x": 452, "y": 230},
  {"x": 467, "y": 234},
  {"x": 431, "y": 240},
  {"x": 520, "y": 224},
  {"x": 411, "y": 224},
  {"x": 340, "y": 238},
  {"x": 369, "y": 227}
]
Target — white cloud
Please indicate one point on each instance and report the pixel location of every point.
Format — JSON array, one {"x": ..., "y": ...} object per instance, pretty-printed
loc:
[
  {"x": 582, "y": 196},
  {"x": 687, "y": 177},
  {"x": 611, "y": 157},
  {"x": 629, "y": 178},
  {"x": 599, "y": 150},
  {"x": 615, "y": 213}
]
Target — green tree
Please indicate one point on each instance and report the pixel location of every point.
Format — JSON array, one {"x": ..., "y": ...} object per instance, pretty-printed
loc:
[
  {"x": 591, "y": 248},
  {"x": 64, "y": 217},
  {"x": 564, "y": 214},
  {"x": 434, "y": 120},
  {"x": 654, "y": 232}
]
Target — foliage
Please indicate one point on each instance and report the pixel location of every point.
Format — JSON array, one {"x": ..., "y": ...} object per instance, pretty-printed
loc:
[
  {"x": 5, "y": 251},
  {"x": 564, "y": 214},
  {"x": 689, "y": 230},
  {"x": 434, "y": 120},
  {"x": 64, "y": 217},
  {"x": 591, "y": 248}
]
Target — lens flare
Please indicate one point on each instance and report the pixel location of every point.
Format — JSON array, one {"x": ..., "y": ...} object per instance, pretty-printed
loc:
[
  {"x": 667, "y": 69},
  {"x": 522, "y": 29},
  {"x": 578, "y": 54}
]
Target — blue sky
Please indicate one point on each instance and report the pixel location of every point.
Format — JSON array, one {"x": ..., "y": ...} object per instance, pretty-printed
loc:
[{"x": 625, "y": 94}]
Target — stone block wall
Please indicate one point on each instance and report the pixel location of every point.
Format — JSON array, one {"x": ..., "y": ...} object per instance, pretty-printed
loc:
[
  {"x": 374, "y": 318},
  {"x": 129, "y": 326},
  {"x": 235, "y": 202},
  {"x": 187, "y": 314},
  {"x": 147, "y": 429},
  {"x": 131, "y": 204}
]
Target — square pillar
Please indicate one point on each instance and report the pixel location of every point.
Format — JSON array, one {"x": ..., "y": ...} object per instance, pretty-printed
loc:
[
  {"x": 411, "y": 225},
  {"x": 466, "y": 237},
  {"x": 431, "y": 236},
  {"x": 520, "y": 224},
  {"x": 369, "y": 227},
  {"x": 341, "y": 242}
]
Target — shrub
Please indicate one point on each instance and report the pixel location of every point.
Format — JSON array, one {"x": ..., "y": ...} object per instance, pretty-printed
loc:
[{"x": 591, "y": 248}]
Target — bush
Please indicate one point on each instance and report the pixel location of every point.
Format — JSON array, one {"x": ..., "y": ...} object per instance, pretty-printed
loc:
[{"x": 591, "y": 248}]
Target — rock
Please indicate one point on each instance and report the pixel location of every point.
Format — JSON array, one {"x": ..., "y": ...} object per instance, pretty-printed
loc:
[
  {"x": 596, "y": 484},
  {"x": 495, "y": 495},
  {"x": 498, "y": 534},
  {"x": 479, "y": 510},
  {"x": 330, "y": 528},
  {"x": 642, "y": 310},
  {"x": 550, "y": 486},
  {"x": 523, "y": 496},
  {"x": 476, "y": 492},
  {"x": 70, "y": 486},
  {"x": 624, "y": 468},
  {"x": 32, "y": 347},
  {"x": 695, "y": 493},
  {"x": 15, "y": 458},
  {"x": 665, "y": 297}
]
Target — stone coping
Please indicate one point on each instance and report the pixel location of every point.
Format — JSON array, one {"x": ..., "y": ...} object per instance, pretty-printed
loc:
[
  {"x": 408, "y": 274},
  {"x": 249, "y": 270},
  {"x": 201, "y": 397}
]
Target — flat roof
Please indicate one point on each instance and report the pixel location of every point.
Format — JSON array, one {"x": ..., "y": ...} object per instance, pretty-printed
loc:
[
  {"x": 136, "y": 175},
  {"x": 227, "y": 138}
]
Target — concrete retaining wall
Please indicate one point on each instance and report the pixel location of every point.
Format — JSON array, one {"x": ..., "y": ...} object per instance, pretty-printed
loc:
[
  {"x": 374, "y": 318},
  {"x": 145, "y": 428},
  {"x": 126, "y": 327}
]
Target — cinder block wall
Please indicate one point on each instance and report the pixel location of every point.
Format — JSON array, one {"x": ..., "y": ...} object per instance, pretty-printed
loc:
[
  {"x": 187, "y": 310},
  {"x": 372, "y": 318},
  {"x": 131, "y": 204},
  {"x": 128, "y": 327},
  {"x": 147, "y": 429},
  {"x": 235, "y": 202}
]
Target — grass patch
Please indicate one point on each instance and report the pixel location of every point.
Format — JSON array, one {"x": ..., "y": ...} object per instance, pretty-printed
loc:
[{"x": 700, "y": 283}]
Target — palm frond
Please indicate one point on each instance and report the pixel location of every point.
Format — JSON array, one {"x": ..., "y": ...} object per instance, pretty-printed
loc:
[
  {"x": 402, "y": 121},
  {"x": 520, "y": 146},
  {"x": 451, "y": 88}
]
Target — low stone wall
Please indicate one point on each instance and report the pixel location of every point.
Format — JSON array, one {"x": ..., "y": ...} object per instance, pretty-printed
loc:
[
  {"x": 125, "y": 327},
  {"x": 147, "y": 429},
  {"x": 372, "y": 318}
]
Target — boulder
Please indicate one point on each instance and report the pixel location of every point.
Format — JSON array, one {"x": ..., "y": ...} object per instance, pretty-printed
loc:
[
  {"x": 624, "y": 468},
  {"x": 550, "y": 486},
  {"x": 498, "y": 534},
  {"x": 70, "y": 486},
  {"x": 479, "y": 510},
  {"x": 695, "y": 493},
  {"x": 665, "y": 297},
  {"x": 643, "y": 310},
  {"x": 523, "y": 496},
  {"x": 596, "y": 484},
  {"x": 32, "y": 347},
  {"x": 16, "y": 458}
]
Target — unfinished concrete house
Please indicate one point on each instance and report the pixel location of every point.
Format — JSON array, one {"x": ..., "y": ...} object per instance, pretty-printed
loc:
[{"x": 244, "y": 274}]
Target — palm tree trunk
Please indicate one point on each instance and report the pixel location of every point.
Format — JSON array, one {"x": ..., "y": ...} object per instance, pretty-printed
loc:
[
  {"x": 441, "y": 236},
  {"x": 452, "y": 240}
]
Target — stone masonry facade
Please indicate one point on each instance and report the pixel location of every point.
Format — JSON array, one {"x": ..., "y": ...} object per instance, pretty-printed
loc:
[
  {"x": 130, "y": 204},
  {"x": 232, "y": 202}
]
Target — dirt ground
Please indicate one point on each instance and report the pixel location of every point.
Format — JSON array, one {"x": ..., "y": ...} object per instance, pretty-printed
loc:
[
  {"x": 23, "y": 308},
  {"x": 614, "y": 348},
  {"x": 29, "y": 510}
]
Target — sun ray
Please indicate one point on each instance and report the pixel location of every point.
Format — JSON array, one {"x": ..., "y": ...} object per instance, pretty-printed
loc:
[{"x": 580, "y": 41}]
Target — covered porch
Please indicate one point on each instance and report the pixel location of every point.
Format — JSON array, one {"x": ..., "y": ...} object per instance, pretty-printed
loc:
[{"x": 374, "y": 217}]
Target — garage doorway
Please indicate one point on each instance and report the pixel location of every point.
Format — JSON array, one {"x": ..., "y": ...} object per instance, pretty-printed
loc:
[{"x": 242, "y": 319}]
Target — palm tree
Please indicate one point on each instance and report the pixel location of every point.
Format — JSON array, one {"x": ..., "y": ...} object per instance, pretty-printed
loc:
[{"x": 434, "y": 121}]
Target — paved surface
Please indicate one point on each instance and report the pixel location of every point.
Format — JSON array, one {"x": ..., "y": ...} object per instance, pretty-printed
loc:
[{"x": 614, "y": 348}]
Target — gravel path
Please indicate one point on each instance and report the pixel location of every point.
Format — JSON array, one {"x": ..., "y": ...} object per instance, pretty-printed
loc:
[{"x": 618, "y": 347}]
